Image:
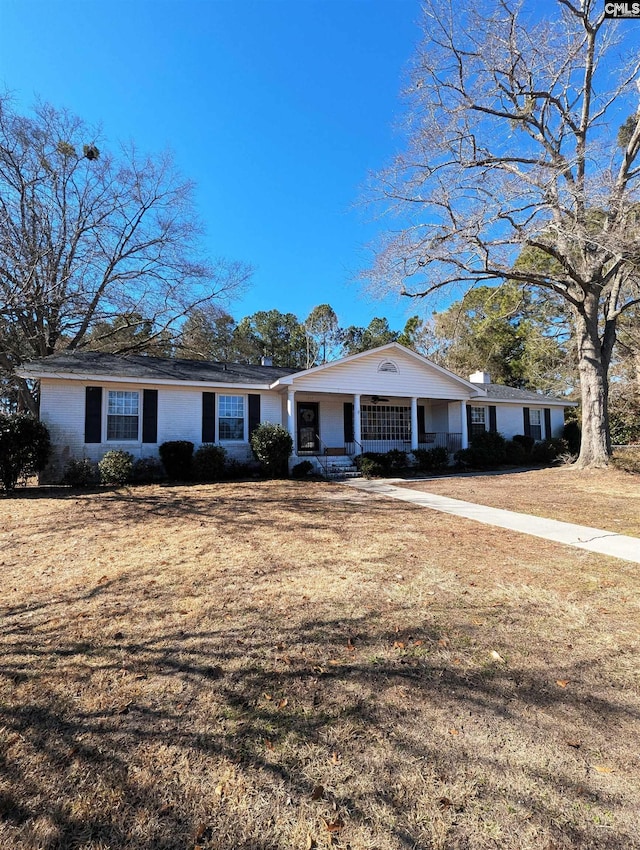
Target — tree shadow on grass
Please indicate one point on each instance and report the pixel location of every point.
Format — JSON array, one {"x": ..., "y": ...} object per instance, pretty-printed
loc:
[{"x": 122, "y": 741}]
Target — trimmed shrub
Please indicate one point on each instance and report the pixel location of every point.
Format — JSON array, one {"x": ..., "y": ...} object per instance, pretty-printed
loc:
[
  {"x": 302, "y": 469},
  {"x": 573, "y": 436},
  {"x": 176, "y": 456},
  {"x": 488, "y": 450},
  {"x": 272, "y": 446},
  {"x": 525, "y": 441},
  {"x": 432, "y": 460},
  {"x": 25, "y": 448},
  {"x": 462, "y": 458},
  {"x": 116, "y": 467},
  {"x": 371, "y": 468},
  {"x": 396, "y": 459},
  {"x": 381, "y": 459},
  {"x": 148, "y": 470},
  {"x": 208, "y": 463},
  {"x": 81, "y": 473},
  {"x": 546, "y": 451},
  {"x": 516, "y": 453}
]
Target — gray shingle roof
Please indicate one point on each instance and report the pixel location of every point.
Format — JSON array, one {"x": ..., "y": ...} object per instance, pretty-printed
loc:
[
  {"x": 498, "y": 392},
  {"x": 153, "y": 368}
]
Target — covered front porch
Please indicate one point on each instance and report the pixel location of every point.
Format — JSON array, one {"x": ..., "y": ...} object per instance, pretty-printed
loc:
[
  {"x": 375, "y": 401},
  {"x": 325, "y": 424}
]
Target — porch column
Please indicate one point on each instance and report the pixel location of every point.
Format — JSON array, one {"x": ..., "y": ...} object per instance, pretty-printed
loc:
[
  {"x": 357, "y": 427},
  {"x": 414, "y": 423},
  {"x": 463, "y": 425},
  {"x": 291, "y": 417}
]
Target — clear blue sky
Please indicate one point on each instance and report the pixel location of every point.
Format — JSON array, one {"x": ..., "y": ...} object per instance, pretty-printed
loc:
[{"x": 277, "y": 109}]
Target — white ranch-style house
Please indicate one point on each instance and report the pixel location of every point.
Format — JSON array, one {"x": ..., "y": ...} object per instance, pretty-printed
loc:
[{"x": 388, "y": 397}]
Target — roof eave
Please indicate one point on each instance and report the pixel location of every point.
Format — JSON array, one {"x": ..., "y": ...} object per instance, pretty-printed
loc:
[{"x": 128, "y": 379}]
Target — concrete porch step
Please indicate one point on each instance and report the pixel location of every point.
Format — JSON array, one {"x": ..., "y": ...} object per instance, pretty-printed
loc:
[{"x": 335, "y": 471}]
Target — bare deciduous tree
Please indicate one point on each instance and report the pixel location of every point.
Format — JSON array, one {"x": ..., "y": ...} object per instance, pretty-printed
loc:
[
  {"x": 87, "y": 236},
  {"x": 514, "y": 152}
]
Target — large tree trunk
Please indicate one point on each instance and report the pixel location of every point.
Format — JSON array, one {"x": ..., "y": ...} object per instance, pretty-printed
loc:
[{"x": 593, "y": 365}]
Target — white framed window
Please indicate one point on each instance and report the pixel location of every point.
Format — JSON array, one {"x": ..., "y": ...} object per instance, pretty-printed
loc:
[
  {"x": 478, "y": 420},
  {"x": 123, "y": 415},
  {"x": 535, "y": 423},
  {"x": 385, "y": 422},
  {"x": 231, "y": 417}
]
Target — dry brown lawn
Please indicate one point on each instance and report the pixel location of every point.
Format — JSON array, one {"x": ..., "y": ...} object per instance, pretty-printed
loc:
[
  {"x": 607, "y": 499},
  {"x": 295, "y": 665}
]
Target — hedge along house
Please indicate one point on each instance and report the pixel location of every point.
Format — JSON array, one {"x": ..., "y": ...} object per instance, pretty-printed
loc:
[{"x": 388, "y": 397}]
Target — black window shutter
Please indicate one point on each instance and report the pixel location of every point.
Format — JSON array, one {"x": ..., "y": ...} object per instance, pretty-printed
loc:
[
  {"x": 208, "y": 417},
  {"x": 150, "y": 416},
  {"x": 254, "y": 413},
  {"x": 348, "y": 422},
  {"x": 547, "y": 423},
  {"x": 492, "y": 418},
  {"x": 93, "y": 415},
  {"x": 421, "y": 421},
  {"x": 527, "y": 422},
  {"x": 469, "y": 422}
]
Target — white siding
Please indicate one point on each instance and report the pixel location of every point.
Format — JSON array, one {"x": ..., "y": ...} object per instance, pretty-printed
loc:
[
  {"x": 454, "y": 417},
  {"x": 62, "y": 409},
  {"x": 557, "y": 421},
  {"x": 179, "y": 416},
  {"x": 271, "y": 409},
  {"x": 509, "y": 420},
  {"x": 414, "y": 378}
]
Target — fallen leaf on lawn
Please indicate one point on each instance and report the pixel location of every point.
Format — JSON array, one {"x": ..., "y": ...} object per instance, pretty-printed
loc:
[
  {"x": 268, "y": 744},
  {"x": 317, "y": 792},
  {"x": 478, "y": 622},
  {"x": 283, "y": 703},
  {"x": 443, "y": 642},
  {"x": 333, "y": 662},
  {"x": 496, "y": 656},
  {"x": 219, "y": 790},
  {"x": 575, "y": 744},
  {"x": 335, "y": 825},
  {"x": 418, "y": 642},
  {"x": 562, "y": 683},
  {"x": 309, "y": 844},
  {"x": 602, "y": 768},
  {"x": 268, "y": 697},
  {"x": 453, "y": 732},
  {"x": 200, "y": 831},
  {"x": 336, "y": 758},
  {"x": 445, "y": 803},
  {"x": 398, "y": 644}
]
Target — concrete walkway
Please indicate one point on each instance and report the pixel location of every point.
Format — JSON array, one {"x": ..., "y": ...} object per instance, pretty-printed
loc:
[{"x": 580, "y": 536}]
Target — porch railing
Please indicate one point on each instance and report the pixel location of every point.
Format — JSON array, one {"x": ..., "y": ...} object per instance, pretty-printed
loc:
[{"x": 432, "y": 439}]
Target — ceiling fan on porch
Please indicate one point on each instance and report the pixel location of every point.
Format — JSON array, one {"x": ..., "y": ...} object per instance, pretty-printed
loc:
[{"x": 375, "y": 399}]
